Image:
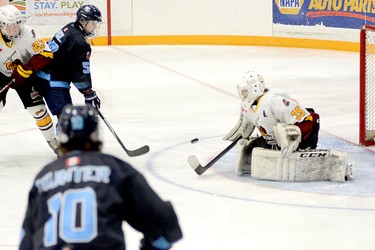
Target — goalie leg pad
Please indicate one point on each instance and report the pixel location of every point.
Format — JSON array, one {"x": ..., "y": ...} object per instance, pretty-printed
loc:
[
  {"x": 244, "y": 153},
  {"x": 314, "y": 165},
  {"x": 242, "y": 163}
]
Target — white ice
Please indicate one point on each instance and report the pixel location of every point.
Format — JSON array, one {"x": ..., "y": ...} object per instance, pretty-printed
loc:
[{"x": 164, "y": 96}]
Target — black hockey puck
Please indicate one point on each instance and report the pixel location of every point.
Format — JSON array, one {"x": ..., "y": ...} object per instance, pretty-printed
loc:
[{"x": 195, "y": 140}]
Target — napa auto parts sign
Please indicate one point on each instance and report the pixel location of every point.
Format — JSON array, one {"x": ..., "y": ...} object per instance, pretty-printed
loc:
[{"x": 329, "y": 13}]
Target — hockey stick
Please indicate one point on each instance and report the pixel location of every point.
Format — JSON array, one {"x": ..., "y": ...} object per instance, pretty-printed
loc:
[
  {"x": 6, "y": 87},
  {"x": 199, "y": 169},
  {"x": 137, "y": 152}
]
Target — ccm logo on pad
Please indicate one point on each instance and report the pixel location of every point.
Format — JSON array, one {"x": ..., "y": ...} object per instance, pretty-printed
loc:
[{"x": 313, "y": 155}]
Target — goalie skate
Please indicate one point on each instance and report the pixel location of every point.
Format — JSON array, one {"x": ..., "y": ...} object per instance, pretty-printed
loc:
[{"x": 349, "y": 172}]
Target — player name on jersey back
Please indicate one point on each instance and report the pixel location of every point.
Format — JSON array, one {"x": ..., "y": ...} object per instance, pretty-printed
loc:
[{"x": 74, "y": 174}]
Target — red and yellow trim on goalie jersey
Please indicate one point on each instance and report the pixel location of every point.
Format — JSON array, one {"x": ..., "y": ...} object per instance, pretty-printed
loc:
[{"x": 307, "y": 124}]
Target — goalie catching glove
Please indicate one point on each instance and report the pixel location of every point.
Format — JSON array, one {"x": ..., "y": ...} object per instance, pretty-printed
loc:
[
  {"x": 288, "y": 138},
  {"x": 243, "y": 128}
]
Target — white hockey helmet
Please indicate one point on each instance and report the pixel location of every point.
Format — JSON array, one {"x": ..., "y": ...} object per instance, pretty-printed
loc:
[
  {"x": 11, "y": 20},
  {"x": 251, "y": 87}
]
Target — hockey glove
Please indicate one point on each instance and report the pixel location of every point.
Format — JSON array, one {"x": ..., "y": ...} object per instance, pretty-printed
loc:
[
  {"x": 159, "y": 244},
  {"x": 20, "y": 74},
  {"x": 288, "y": 138},
  {"x": 92, "y": 99}
]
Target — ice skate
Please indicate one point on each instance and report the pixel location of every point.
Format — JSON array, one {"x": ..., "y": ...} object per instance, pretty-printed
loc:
[
  {"x": 53, "y": 146},
  {"x": 349, "y": 175}
]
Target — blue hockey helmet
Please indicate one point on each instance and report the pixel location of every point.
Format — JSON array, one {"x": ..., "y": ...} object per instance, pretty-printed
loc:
[
  {"x": 89, "y": 13},
  {"x": 78, "y": 128}
]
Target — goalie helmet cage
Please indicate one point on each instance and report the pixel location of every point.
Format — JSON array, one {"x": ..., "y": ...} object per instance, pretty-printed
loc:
[{"x": 367, "y": 86}]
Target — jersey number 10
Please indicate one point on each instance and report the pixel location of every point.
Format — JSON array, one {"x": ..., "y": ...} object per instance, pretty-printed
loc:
[{"x": 73, "y": 217}]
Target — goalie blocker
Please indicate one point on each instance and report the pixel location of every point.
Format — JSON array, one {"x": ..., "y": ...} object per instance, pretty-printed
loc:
[{"x": 312, "y": 165}]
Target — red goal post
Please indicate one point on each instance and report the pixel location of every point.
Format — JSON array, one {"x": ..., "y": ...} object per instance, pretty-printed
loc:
[
  {"x": 109, "y": 24},
  {"x": 367, "y": 86}
]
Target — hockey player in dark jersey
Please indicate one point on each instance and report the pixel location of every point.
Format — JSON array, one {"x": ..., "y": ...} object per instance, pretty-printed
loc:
[
  {"x": 80, "y": 200},
  {"x": 71, "y": 64}
]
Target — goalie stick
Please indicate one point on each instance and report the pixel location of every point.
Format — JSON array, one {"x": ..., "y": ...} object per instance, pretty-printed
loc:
[
  {"x": 6, "y": 87},
  {"x": 199, "y": 169},
  {"x": 132, "y": 153}
]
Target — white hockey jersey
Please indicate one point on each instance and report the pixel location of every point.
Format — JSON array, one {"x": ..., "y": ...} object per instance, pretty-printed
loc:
[
  {"x": 272, "y": 108},
  {"x": 23, "y": 48}
]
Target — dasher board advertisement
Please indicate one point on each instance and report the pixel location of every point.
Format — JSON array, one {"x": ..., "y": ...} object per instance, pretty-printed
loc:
[
  {"x": 351, "y": 14},
  {"x": 49, "y": 12}
]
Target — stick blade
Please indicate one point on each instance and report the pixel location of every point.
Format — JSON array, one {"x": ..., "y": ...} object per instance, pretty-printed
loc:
[
  {"x": 195, "y": 165},
  {"x": 199, "y": 169},
  {"x": 137, "y": 152},
  {"x": 193, "y": 162}
]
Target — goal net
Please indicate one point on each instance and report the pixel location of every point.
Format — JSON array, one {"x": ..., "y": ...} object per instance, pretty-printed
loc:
[{"x": 367, "y": 86}]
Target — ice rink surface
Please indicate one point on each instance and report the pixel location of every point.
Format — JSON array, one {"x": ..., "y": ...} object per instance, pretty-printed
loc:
[{"x": 164, "y": 96}]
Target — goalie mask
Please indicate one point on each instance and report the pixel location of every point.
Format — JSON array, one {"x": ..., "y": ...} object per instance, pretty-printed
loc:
[
  {"x": 11, "y": 21},
  {"x": 90, "y": 19},
  {"x": 78, "y": 128},
  {"x": 251, "y": 87}
]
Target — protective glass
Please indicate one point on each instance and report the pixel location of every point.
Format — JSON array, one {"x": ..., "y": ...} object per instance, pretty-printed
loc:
[{"x": 93, "y": 28}]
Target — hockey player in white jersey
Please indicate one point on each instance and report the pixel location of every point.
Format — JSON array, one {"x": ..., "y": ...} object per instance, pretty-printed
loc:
[
  {"x": 22, "y": 53},
  {"x": 284, "y": 146}
]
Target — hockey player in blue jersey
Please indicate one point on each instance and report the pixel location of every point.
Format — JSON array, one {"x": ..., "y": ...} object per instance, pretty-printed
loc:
[
  {"x": 80, "y": 200},
  {"x": 71, "y": 64}
]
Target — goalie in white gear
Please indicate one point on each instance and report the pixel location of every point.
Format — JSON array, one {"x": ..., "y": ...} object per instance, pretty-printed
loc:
[
  {"x": 284, "y": 126},
  {"x": 22, "y": 54}
]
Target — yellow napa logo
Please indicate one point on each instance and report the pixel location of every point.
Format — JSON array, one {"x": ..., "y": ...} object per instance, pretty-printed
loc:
[{"x": 289, "y": 7}]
